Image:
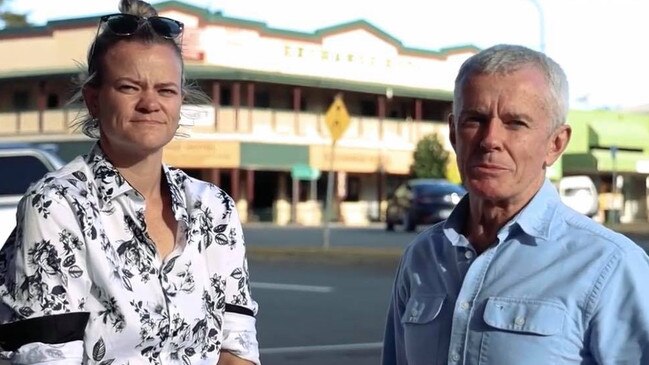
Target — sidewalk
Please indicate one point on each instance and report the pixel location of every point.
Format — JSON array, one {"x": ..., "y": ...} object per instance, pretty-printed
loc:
[{"x": 636, "y": 231}]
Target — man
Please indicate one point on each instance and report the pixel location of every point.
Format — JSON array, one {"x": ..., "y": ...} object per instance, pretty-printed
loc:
[{"x": 514, "y": 276}]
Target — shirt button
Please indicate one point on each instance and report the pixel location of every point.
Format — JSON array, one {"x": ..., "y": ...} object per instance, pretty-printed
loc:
[
  {"x": 455, "y": 357},
  {"x": 519, "y": 321},
  {"x": 468, "y": 254},
  {"x": 464, "y": 305}
]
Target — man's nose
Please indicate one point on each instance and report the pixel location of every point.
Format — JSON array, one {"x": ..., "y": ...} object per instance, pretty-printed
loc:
[{"x": 493, "y": 133}]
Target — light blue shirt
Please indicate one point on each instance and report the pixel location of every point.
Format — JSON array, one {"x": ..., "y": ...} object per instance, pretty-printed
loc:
[{"x": 555, "y": 288}]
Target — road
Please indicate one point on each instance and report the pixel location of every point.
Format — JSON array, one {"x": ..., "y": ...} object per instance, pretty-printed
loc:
[
  {"x": 261, "y": 235},
  {"x": 320, "y": 313}
]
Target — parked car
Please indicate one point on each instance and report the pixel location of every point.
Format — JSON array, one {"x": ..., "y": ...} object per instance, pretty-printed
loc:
[
  {"x": 421, "y": 201},
  {"x": 20, "y": 166},
  {"x": 579, "y": 193}
]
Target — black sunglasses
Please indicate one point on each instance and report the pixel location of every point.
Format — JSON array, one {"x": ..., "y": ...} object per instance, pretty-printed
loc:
[{"x": 127, "y": 24}]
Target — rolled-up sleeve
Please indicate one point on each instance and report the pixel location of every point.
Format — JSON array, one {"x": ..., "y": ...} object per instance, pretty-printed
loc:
[
  {"x": 239, "y": 331},
  {"x": 43, "y": 283}
]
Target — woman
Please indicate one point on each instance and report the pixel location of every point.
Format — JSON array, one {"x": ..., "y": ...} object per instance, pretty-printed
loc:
[{"x": 117, "y": 258}]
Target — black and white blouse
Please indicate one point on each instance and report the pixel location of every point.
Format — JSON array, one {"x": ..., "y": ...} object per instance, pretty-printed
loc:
[{"x": 81, "y": 281}]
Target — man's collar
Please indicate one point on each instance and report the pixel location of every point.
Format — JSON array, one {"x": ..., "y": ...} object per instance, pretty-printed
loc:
[{"x": 534, "y": 219}]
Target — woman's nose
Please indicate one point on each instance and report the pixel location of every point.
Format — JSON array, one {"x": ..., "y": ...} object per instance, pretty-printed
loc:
[{"x": 148, "y": 101}]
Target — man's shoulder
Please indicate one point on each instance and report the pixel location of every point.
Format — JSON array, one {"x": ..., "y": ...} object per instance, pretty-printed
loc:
[
  {"x": 585, "y": 231},
  {"x": 426, "y": 241}
]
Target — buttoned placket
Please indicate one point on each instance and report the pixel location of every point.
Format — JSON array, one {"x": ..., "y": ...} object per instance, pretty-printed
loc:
[{"x": 464, "y": 309}]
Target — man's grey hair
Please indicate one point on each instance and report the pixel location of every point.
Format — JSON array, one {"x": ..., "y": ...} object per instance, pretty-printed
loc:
[{"x": 506, "y": 58}]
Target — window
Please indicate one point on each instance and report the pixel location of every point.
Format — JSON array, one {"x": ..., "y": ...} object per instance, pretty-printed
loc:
[
  {"x": 353, "y": 189},
  {"x": 226, "y": 97},
  {"x": 52, "y": 101},
  {"x": 27, "y": 170},
  {"x": 21, "y": 100},
  {"x": 262, "y": 99},
  {"x": 368, "y": 108}
]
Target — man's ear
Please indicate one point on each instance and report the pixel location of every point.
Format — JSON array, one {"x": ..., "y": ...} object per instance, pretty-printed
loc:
[
  {"x": 91, "y": 98},
  {"x": 451, "y": 129},
  {"x": 557, "y": 143}
]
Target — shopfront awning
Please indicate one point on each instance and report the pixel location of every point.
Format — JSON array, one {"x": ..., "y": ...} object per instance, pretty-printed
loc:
[{"x": 602, "y": 161}]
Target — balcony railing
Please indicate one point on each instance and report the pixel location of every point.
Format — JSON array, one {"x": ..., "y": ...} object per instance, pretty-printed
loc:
[{"x": 278, "y": 126}]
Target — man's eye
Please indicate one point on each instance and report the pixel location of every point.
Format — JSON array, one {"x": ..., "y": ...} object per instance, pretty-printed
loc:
[
  {"x": 168, "y": 92},
  {"x": 517, "y": 124}
]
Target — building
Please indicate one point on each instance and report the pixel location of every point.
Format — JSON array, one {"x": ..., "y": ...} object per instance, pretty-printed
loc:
[
  {"x": 271, "y": 89},
  {"x": 265, "y": 139},
  {"x": 612, "y": 146}
]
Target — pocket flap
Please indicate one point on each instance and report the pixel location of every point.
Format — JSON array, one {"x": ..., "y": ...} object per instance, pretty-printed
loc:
[
  {"x": 422, "y": 309},
  {"x": 525, "y": 315}
]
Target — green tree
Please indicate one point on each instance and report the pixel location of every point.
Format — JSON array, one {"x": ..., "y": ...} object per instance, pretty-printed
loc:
[
  {"x": 9, "y": 19},
  {"x": 430, "y": 158}
]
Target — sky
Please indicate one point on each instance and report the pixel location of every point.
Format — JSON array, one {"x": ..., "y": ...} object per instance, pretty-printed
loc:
[{"x": 601, "y": 44}]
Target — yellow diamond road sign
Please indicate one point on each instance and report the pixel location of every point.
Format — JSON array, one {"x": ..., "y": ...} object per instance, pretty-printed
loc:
[{"x": 337, "y": 118}]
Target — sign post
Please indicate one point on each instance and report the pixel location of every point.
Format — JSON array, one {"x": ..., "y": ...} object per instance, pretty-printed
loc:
[
  {"x": 614, "y": 212},
  {"x": 337, "y": 120}
]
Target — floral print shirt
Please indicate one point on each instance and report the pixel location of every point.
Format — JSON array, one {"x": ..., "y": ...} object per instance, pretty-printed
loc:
[{"x": 81, "y": 246}]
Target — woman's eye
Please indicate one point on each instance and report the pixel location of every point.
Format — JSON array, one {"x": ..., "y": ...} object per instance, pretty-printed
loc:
[{"x": 126, "y": 87}]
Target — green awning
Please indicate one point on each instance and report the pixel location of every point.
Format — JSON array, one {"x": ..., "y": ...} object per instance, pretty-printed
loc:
[
  {"x": 598, "y": 161},
  {"x": 280, "y": 157},
  {"x": 619, "y": 133}
]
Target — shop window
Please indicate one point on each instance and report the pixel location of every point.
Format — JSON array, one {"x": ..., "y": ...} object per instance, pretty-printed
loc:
[{"x": 353, "y": 189}]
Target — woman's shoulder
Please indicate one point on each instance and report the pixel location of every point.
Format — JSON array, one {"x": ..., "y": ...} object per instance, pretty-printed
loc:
[{"x": 71, "y": 178}]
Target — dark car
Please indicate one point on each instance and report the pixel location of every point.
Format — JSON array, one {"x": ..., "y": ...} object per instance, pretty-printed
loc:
[{"x": 421, "y": 201}]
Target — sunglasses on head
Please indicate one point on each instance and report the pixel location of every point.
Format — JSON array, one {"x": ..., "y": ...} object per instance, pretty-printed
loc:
[{"x": 127, "y": 24}]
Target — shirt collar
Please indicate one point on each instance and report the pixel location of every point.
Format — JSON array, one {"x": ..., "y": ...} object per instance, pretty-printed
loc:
[
  {"x": 111, "y": 184},
  {"x": 176, "y": 180},
  {"x": 534, "y": 219}
]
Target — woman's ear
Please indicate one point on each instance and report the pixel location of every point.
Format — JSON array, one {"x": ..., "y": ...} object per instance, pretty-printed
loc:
[{"x": 91, "y": 98}]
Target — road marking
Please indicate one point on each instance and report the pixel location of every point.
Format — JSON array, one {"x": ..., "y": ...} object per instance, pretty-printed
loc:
[
  {"x": 294, "y": 287},
  {"x": 322, "y": 348}
]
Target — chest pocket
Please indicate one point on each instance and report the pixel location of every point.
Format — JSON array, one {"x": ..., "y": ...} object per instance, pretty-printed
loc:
[
  {"x": 534, "y": 328},
  {"x": 524, "y": 315},
  {"x": 424, "y": 328},
  {"x": 422, "y": 309}
]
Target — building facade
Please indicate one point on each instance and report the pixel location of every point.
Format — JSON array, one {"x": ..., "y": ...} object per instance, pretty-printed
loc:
[
  {"x": 270, "y": 89},
  {"x": 264, "y": 137}
]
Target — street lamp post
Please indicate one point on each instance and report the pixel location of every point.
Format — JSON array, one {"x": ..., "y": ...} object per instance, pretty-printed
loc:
[{"x": 539, "y": 9}]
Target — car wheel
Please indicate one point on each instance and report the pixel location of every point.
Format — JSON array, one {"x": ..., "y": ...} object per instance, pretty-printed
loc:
[
  {"x": 408, "y": 224},
  {"x": 389, "y": 226}
]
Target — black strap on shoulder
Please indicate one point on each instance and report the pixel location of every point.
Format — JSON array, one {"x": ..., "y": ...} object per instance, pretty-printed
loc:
[
  {"x": 55, "y": 329},
  {"x": 239, "y": 309}
]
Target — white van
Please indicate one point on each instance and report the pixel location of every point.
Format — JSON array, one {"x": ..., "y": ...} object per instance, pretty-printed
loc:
[{"x": 579, "y": 193}]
